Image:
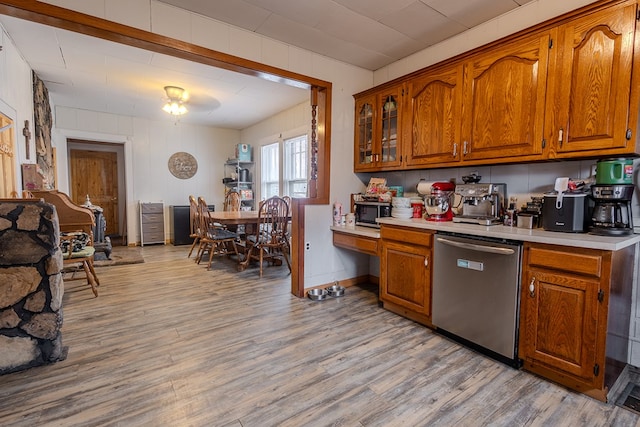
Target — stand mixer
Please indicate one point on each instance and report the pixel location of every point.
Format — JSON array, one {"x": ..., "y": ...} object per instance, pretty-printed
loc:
[{"x": 438, "y": 202}]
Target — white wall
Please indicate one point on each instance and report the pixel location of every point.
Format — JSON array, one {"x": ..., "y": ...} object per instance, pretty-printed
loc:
[
  {"x": 16, "y": 100},
  {"x": 148, "y": 145}
]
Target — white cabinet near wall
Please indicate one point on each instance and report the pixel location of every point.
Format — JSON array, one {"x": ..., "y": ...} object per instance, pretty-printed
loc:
[{"x": 151, "y": 223}]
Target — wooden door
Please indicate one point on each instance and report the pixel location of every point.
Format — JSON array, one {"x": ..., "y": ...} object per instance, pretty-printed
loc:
[
  {"x": 7, "y": 158},
  {"x": 95, "y": 173},
  {"x": 432, "y": 127},
  {"x": 504, "y": 101},
  {"x": 591, "y": 85},
  {"x": 405, "y": 276},
  {"x": 559, "y": 325}
]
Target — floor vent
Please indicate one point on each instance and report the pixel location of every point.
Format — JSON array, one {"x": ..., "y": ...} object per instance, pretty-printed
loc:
[{"x": 630, "y": 398}]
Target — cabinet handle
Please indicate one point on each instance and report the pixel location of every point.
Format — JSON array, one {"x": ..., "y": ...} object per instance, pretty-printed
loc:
[
  {"x": 532, "y": 287},
  {"x": 560, "y": 135},
  {"x": 455, "y": 149},
  {"x": 464, "y": 148},
  {"x": 426, "y": 262}
]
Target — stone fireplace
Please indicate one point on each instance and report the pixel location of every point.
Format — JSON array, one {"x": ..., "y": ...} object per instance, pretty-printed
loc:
[{"x": 31, "y": 285}]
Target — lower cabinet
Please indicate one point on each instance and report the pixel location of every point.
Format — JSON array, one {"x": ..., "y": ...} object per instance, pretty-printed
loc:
[
  {"x": 574, "y": 319},
  {"x": 405, "y": 272}
]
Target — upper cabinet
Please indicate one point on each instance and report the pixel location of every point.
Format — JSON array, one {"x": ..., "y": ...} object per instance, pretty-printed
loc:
[
  {"x": 562, "y": 90},
  {"x": 432, "y": 131},
  {"x": 590, "y": 91},
  {"x": 377, "y": 137},
  {"x": 504, "y": 101}
]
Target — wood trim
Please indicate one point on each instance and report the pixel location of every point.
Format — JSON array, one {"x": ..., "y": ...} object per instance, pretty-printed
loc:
[{"x": 86, "y": 24}]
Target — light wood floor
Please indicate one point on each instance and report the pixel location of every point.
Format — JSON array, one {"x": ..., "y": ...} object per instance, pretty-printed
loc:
[{"x": 168, "y": 343}]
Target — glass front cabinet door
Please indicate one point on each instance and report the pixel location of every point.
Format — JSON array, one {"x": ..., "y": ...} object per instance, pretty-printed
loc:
[{"x": 377, "y": 124}]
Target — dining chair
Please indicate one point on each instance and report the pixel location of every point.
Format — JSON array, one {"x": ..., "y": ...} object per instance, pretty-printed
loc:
[
  {"x": 231, "y": 201},
  {"x": 214, "y": 240},
  {"x": 269, "y": 242},
  {"x": 193, "y": 223}
]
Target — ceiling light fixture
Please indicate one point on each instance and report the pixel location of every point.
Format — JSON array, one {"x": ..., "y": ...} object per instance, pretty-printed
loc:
[{"x": 177, "y": 97}]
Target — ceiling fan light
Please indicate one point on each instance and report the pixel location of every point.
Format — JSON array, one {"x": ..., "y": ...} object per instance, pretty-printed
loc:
[
  {"x": 175, "y": 108},
  {"x": 175, "y": 103}
]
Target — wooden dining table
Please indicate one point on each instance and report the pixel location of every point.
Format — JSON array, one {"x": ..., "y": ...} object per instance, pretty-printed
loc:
[
  {"x": 247, "y": 218},
  {"x": 235, "y": 217}
]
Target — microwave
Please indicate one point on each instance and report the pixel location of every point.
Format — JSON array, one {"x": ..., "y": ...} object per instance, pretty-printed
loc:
[{"x": 368, "y": 212}]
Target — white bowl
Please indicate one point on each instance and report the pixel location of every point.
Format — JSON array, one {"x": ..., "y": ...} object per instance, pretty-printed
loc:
[{"x": 401, "y": 202}]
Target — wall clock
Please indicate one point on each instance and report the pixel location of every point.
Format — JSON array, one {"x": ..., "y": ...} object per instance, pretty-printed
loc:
[{"x": 183, "y": 165}]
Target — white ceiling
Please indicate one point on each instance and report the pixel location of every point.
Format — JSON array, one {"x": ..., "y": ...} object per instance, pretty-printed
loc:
[
  {"x": 89, "y": 73},
  {"x": 366, "y": 33}
]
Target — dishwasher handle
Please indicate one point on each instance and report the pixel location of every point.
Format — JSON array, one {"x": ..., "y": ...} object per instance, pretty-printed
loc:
[{"x": 480, "y": 248}]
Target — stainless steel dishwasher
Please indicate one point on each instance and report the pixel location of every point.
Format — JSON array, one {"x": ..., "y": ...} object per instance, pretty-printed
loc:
[{"x": 476, "y": 284}]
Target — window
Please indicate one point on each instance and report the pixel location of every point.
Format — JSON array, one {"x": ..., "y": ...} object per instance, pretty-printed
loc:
[
  {"x": 270, "y": 170},
  {"x": 295, "y": 166},
  {"x": 290, "y": 179}
]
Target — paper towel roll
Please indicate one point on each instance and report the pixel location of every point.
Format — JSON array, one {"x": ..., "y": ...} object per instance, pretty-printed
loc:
[{"x": 424, "y": 187}]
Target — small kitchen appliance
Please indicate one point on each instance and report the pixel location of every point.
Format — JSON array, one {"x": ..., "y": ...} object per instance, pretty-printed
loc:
[
  {"x": 614, "y": 172},
  {"x": 569, "y": 212},
  {"x": 366, "y": 212},
  {"x": 438, "y": 202},
  {"x": 481, "y": 203},
  {"x": 611, "y": 214}
]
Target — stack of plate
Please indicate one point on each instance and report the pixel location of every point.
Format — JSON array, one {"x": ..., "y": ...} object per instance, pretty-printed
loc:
[{"x": 401, "y": 213}]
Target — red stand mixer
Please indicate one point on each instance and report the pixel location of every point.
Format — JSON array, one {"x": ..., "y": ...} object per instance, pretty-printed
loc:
[{"x": 438, "y": 202}]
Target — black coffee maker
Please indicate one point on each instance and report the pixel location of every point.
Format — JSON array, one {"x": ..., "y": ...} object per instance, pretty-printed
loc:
[{"x": 612, "y": 211}]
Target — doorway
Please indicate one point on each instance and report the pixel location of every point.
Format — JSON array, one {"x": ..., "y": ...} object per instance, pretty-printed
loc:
[{"x": 96, "y": 170}]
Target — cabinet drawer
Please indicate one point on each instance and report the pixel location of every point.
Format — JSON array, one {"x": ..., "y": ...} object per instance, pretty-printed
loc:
[
  {"x": 367, "y": 245},
  {"x": 151, "y": 208},
  {"x": 572, "y": 260},
  {"x": 406, "y": 234},
  {"x": 154, "y": 236},
  {"x": 153, "y": 227},
  {"x": 148, "y": 218}
]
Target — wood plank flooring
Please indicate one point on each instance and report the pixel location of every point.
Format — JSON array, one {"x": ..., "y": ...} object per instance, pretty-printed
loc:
[{"x": 169, "y": 343}]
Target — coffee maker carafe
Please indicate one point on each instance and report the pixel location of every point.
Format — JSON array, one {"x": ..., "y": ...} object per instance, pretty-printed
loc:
[{"x": 612, "y": 211}]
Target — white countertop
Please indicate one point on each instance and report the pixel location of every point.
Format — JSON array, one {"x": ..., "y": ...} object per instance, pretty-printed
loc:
[
  {"x": 358, "y": 230},
  {"x": 538, "y": 235}
]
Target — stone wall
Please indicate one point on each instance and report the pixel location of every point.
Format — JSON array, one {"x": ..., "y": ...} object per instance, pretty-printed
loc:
[{"x": 31, "y": 285}]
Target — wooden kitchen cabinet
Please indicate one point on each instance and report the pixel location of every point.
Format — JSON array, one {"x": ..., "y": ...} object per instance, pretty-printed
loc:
[
  {"x": 363, "y": 244},
  {"x": 504, "y": 101},
  {"x": 565, "y": 89},
  {"x": 432, "y": 131},
  {"x": 589, "y": 91},
  {"x": 405, "y": 272},
  {"x": 574, "y": 315},
  {"x": 377, "y": 130}
]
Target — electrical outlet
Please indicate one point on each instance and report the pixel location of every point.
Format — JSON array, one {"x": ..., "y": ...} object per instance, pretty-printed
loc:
[{"x": 307, "y": 245}]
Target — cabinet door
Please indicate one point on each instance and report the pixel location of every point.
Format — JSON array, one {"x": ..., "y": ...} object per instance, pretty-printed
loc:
[
  {"x": 432, "y": 126},
  {"x": 559, "y": 322},
  {"x": 377, "y": 138},
  {"x": 365, "y": 135},
  {"x": 405, "y": 276},
  {"x": 592, "y": 81},
  {"x": 389, "y": 110},
  {"x": 504, "y": 102}
]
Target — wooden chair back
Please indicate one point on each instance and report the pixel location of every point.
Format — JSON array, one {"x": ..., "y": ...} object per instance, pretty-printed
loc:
[
  {"x": 232, "y": 202},
  {"x": 271, "y": 235}
]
